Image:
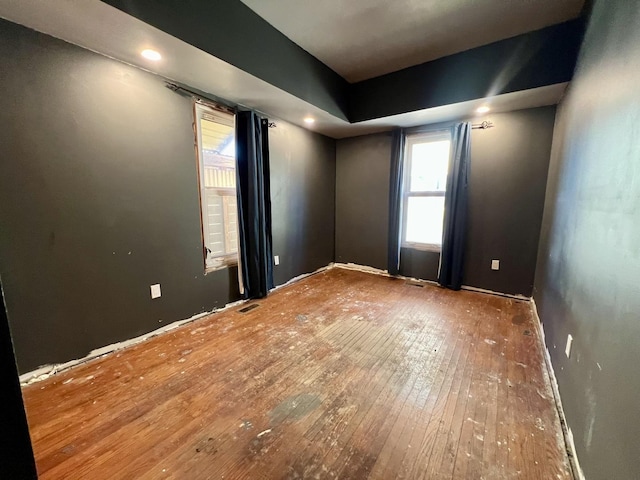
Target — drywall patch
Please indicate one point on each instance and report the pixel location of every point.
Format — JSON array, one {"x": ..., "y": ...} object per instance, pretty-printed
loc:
[{"x": 591, "y": 404}]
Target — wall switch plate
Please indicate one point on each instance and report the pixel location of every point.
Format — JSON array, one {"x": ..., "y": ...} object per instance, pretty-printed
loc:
[
  {"x": 276, "y": 260},
  {"x": 155, "y": 291},
  {"x": 495, "y": 264},
  {"x": 567, "y": 349}
]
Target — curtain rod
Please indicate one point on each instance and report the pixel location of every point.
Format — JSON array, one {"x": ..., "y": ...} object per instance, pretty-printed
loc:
[
  {"x": 208, "y": 102},
  {"x": 482, "y": 126},
  {"x": 200, "y": 98}
]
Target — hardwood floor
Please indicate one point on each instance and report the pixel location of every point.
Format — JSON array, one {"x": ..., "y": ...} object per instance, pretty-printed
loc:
[{"x": 342, "y": 375}]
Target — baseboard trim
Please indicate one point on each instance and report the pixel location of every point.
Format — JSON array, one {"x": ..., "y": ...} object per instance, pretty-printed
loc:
[
  {"x": 46, "y": 371},
  {"x": 377, "y": 271},
  {"x": 303, "y": 276},
  {"x": 385, "y": 273},
  {"x": 570, "y": 445},
  {"x": 493, "y": 292}
]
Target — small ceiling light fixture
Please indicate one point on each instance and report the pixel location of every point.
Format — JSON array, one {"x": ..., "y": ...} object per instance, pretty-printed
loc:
[
  {"x": 151, "y": 55},
  {"x": 483, "y": 109},
  {"x": 309, "y": 120}
]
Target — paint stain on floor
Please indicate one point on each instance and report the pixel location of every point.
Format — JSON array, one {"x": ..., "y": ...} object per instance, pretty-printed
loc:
[{"x": 294, "y": 408}]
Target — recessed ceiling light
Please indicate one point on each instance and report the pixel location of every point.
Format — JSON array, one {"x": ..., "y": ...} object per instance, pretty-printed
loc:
[
  {"x": 151, "y": 55},
  {"x": 483, "y": 109},
  {"x": 309, "y": 120}
]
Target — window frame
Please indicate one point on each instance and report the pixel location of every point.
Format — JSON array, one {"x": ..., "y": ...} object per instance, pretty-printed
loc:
[
  {"x": 410, "y": 140},
  {"x": 230, "y": 259}
]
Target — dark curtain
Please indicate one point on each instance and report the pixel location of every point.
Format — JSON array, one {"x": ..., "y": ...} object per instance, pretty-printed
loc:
[
  {"x": 395, "y": 201},
  {"x": 254, "y": 205},
  {"x": 455, "y": 209}
]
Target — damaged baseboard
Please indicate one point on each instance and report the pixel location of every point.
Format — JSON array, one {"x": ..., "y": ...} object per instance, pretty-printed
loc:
[
  {"x": 385, "y": 273},
  {"x": 376, "y": 271},
  {"x": 570, "y": 445},
  {"x": 361, "y": 268},
  {"x": 493, "y": 292},
  {"x": 46, "y": 371},
  {"x": 303, "y": 276}
]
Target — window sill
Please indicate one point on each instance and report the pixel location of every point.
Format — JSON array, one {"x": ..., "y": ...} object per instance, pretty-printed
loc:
[
  {"x": 226, "y": 263},
  {"x": 425, "y": 247}
]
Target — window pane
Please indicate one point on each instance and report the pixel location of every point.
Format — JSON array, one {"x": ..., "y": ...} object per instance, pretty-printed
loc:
[
  {"x": 230, "y": 204},
  {"x": 216, "y": 144},
  {"x": 424, "y": 220},
  {"x": 213, "y": 223},
  {"x": 429, "y": 165}
]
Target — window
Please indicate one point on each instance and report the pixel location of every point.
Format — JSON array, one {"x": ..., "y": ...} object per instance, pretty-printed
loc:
[
  {"x": 426, "y": 164},
  {"x": 215, "y": 133}
]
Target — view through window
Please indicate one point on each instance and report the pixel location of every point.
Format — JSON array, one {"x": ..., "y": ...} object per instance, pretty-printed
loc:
[
  {"x": 217, "y": 174},
  {"x": 426, "y": 165}
]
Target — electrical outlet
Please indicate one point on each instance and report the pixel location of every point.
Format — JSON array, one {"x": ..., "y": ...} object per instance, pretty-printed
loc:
[
  {"x": 276, "y": 259},
  {"x": 567, "y": 349},
  {"x": 495, "y": 264},
  {"x": 155, "y": 291}
]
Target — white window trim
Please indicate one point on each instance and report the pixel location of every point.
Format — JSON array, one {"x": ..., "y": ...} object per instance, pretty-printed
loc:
[
  {"x": 228, "y": 260},
  {"x": 410, "y": 140}
]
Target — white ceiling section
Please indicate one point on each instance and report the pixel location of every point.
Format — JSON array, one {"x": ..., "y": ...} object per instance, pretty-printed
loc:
[
  {"x": 535, "y": 97},
  {"x": 101, "y": 28},
  {"x": 97, "y": 26},
  {"x": 361, "y": 39}
]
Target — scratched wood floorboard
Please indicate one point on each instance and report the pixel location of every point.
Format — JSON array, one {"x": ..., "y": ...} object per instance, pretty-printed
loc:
[{"x": 342, "y": 375}]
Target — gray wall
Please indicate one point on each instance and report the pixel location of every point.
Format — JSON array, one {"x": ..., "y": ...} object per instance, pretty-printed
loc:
[
  {"x": 506, "y": 196},
  {"x": 303, "y": 182},
  {"x": 589, "y": 258},
  {"x": 99, "y": 199},
  {"x": 362, "y": 199},
  {"x": 509, "y": 165}
]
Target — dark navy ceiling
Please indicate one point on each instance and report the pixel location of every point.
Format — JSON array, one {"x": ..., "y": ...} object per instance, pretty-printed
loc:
[{"x": 229, "y": 30}]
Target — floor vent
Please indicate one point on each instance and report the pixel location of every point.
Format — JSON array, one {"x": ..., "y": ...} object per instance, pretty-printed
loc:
[
  {"x": 415, "y": 284},
  {"x": 248, "y": 308}
]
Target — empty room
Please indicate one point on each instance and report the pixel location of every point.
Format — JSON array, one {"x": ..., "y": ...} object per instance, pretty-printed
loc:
[{"x": 287, "y": 239}]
